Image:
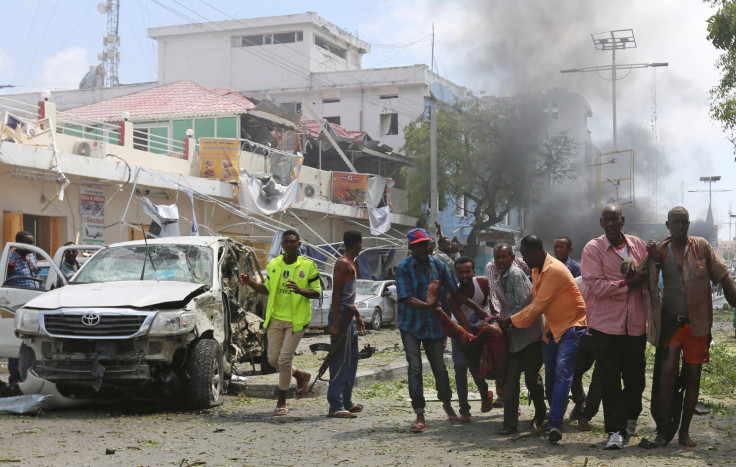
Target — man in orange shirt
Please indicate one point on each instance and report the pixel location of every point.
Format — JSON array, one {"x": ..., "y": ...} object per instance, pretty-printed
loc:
[{"x": 556, "y": 296}]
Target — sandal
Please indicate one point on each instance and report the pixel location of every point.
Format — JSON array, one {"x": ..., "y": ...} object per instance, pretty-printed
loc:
[
  {"x": 342, "y": 414},
  {"x": 355, "y": 408},
  {"x": 486, "y": 406},
  {"x": 279, "y": 411},
  {"x": 418, "y": 427},
  {"x": 464, "y": 418}
]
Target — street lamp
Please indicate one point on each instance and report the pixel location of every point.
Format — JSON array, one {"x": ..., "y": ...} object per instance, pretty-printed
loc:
[{"x": 618, "y": 39}]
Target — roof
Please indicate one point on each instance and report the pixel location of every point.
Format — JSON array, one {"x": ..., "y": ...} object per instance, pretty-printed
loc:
[
  {"x": 338, "y": 131},
  {"x": 181, "y": 99}
]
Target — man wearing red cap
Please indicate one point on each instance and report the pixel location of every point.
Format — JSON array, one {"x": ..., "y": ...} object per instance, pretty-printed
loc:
[{"x": 419, "y": 327}]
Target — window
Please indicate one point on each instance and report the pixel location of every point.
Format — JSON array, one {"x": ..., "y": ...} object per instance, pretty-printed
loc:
[
  {"x": 335, "y": 120},
  {"x": 330, "y": 47},
  {"x": 390, "y": 124},
  {"x": 389, "y": 96},
  {"x": 268, "y": 39},
  {"x": 140, "y": 139},
  {"x": 292, "y": 107},
  {"x": 330, "y": 100}
]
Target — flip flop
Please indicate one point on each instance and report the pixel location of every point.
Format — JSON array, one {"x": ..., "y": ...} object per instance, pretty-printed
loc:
[
  {"x": 279, "y": 411},
  {"x": 302, "y": 389},
  {"x": 453, "y": 419},
  {"x": 342, "y": 414},
  {"x": 464, "y": 418},
  {"x": 418, "y": 427},
  {"x": 355, "y": 408}
]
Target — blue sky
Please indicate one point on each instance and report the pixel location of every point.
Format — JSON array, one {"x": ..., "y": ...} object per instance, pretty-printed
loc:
[{"x": 500, "y": 47}]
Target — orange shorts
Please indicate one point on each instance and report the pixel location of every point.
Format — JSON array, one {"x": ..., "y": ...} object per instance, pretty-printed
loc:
[{"x": 694, "y": 349}]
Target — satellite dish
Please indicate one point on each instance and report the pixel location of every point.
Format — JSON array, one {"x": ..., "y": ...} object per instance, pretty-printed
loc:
[{"x": 102, "y": 8}]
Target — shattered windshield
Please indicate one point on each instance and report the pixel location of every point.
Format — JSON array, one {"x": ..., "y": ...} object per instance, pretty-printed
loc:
[
  {"x": 183, "y": 263},
  {"x": 363, "y": 287}
]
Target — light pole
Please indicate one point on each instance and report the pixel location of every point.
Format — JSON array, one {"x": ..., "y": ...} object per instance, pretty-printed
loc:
[{"x": 618, "y": 39}]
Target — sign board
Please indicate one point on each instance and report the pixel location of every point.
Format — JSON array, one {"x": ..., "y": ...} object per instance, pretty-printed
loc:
[
  {"x": 349, "y": 188},
  {"x": 92, "y": 207},
  {"x": 218, "y": 159}
]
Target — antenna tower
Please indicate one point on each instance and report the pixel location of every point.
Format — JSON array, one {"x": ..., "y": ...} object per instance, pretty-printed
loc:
[{"x": 110, "y": 56}]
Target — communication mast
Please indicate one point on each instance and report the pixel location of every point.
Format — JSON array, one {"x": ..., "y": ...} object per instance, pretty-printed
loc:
[{"x": 110, "y": 56}]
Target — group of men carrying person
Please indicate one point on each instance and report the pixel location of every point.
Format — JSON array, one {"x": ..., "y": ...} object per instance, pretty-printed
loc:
[{"x": 509, "y": 323}]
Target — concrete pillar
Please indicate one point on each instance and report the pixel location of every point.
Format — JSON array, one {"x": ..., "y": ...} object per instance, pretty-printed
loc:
[
  {"x": 125, "y": 133},
  {"x": 47, "y": 109}
]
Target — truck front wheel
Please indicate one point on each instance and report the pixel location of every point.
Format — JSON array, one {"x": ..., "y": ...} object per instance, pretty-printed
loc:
[{"x": 205, "y": 375}]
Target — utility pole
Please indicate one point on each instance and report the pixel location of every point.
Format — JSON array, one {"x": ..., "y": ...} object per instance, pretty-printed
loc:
[
  {"x": 618, "y": 39},
  {"x": 710, "y": 181},
  {"x": 434, "y": 199}
]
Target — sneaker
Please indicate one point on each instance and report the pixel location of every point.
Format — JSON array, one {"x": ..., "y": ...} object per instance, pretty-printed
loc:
[
  {"x": 631, "y": 428},
  {"x": 554, "y": 435},
  {"x": 615, "y": 441}
]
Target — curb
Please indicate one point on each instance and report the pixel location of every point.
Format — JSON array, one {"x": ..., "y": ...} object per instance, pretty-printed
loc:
[{"x": 266, "y": 386}]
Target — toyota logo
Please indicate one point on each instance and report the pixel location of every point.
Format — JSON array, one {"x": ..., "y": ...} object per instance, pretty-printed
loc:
[{"x": 91, "y": 319}]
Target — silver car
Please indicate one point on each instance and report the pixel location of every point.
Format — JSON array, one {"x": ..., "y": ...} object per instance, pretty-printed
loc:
[{"x": 373, "y": 301}]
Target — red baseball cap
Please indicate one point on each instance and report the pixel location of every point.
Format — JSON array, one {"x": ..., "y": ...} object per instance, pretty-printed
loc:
[{"x": 417, "y": 235}]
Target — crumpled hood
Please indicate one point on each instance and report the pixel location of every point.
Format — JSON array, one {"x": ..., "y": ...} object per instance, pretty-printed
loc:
[{"x": 135, "y": 294}]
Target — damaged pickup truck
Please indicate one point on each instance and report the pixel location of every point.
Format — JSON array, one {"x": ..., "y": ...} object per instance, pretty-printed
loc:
[{"x": 146, "y": 319}]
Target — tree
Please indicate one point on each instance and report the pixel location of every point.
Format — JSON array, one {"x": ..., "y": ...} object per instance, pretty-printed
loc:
[
  {"x": 722, "y": 34},
  {"x": 489, "y": 155}
]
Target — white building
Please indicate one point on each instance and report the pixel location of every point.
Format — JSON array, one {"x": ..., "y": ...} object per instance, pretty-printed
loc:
[{"x": 299, "y": 60}]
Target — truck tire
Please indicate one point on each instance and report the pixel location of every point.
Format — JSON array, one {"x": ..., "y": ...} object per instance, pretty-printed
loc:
[{"x": 206, "y": 377}]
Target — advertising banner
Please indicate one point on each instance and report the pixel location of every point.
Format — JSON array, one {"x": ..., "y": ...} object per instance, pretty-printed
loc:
[
  {"x": 92, "y": 207},
  {"x": 349, "y": 188},
  {"x": 218, "y": 158}
]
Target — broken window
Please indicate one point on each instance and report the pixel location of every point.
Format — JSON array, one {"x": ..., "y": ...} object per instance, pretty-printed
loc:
[
  {"x": 330, "y": 47},
  {"x": 335, "y": 120},
  {"x": 140, "y": 139},
  {"x": 390, "y": 124},
  {"x": 292, "y": 107}
]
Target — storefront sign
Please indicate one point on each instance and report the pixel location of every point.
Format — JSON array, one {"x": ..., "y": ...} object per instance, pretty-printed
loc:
[
  {"x": 92, "y": 207},
  {"x": 218, "y": 158},
  {"x": 349, "y": 188}
]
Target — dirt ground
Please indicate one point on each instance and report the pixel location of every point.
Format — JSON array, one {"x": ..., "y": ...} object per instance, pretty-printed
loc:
[{"x": 243, "y": 432}]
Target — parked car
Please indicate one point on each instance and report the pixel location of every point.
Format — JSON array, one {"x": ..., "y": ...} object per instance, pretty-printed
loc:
[
  {"x": 373, "y": 301},
  {"x": 140, "y": 318},
  {"x": 14, "y": 297},
  {"x": 321, "y": 306}
]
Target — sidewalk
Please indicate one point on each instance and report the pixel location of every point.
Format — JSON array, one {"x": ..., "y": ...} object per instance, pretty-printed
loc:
[{"x": 266, "y": 386}]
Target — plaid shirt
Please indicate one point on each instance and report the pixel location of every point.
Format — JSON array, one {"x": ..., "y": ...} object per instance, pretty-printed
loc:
[
  {"x": 22, "y": 266},
  {"x": 412, "y": 280}
]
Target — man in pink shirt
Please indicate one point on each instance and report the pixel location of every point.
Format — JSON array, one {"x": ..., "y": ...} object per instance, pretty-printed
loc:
[{"x": 617, "y": 320}]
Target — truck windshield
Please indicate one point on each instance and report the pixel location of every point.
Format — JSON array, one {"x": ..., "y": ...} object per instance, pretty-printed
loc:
[{"x": 183, "y": 263}]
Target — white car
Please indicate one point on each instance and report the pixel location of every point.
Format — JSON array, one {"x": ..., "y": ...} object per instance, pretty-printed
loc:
[
  {"x": 373, "y": 301},
  {"x": 321, "y": 306}
]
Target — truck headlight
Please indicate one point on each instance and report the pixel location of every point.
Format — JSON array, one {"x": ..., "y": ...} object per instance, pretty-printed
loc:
[
  {"x": 173, "y": 322},
  {"x": 27, "y": 321}
]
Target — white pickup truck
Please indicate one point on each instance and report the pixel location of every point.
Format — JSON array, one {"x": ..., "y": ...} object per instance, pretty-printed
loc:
[{"x": 142, "y": 318}]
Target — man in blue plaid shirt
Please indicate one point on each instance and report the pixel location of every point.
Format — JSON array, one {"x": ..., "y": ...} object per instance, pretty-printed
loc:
[
  {"x": 22, "y": 264},
  {"x": 418, "y": 326}
]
